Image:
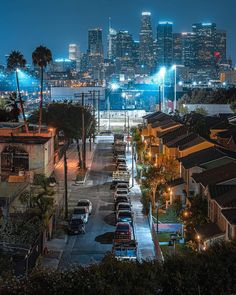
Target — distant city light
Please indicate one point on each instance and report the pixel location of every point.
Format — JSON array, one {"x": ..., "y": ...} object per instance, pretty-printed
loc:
[
  {"x": 114, "y": 86},
  {"x": 163, "y": 71}
]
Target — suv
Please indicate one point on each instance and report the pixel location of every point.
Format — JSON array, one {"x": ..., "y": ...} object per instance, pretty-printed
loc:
[
  {"x": 76, "y": 226},
  {"x": 124, "y": 216},
  {"x": 123, "y": 206},
  {"x": 120, "y": 192},
  {"x": 123, "y": 232},
  {"x": 81, "y": 213},
  {"x": 121, "y": 199},
  {"x": 85, "y": 203},
  {"x": 122, "y": 185}
]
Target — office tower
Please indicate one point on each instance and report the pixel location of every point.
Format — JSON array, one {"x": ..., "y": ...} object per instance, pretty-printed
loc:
[
  {"x": 205, "y": 44},
  {"x": 189, "y": 49},
  {"x": 177, "y": 48},
  {"x": 111, "y": 48},
  {"x": 73, "y": 52},
  {"x": 124, "y": 49},
  {"x": 146, "y": 57},
  {"x": 95, "y": 53},
  {"x": 220, "y": 46},
  {"x": 164, "y": 44},
  {"x": 136, "y": 52}
]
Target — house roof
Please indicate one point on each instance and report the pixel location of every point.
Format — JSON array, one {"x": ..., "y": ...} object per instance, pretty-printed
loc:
[
  {"x": 228, "y": 199},
  {"x": 208, "y": 230},
  {"x": 185, "y": 141},
  {"x": 172, "y": 134},
  {"x": 151, "y": 115},
  {"x": 204, "y": 156},
  {"x": 220, "y": 189},
  {"x": 230, "y": 215},
  {"x": 216, "y": 175},
  {"x": 24, "y": 139},
  {"x": 175, "y": 182},
  {"x": 159, "y": 117}
]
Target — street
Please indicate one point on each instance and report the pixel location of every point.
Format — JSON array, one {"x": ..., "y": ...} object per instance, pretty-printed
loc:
[{"x": 93, "y": 245}]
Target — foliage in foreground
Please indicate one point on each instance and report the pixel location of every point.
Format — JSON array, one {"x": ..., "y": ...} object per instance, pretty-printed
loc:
[{"x": 211, "y": 272}]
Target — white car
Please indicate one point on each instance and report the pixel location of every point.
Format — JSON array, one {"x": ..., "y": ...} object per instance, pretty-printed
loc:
[
  {"x": 85, "y": 203},
  {"x": 122, "y": 185},
  {"x": 81, "y": 213},
  {"x": 121, "y": 192}
]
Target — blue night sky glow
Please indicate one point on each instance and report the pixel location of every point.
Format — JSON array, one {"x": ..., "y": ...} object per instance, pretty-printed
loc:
[{"x": 25, "y": 24}]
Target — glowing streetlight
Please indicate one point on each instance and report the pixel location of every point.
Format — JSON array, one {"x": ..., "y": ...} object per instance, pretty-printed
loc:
[
  {"x": 162, "y": 74},
  {"x": 114, "y": 86}
]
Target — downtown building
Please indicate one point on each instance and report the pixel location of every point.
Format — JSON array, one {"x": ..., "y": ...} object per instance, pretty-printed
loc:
[
  {"x": 146, "y": 53},
  {"x": 164, "y": 44},
  {"x": 95, "y": 54}
]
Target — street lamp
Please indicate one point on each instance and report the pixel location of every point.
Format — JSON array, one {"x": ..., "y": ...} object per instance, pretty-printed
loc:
[{"x": 162, "y": 74}]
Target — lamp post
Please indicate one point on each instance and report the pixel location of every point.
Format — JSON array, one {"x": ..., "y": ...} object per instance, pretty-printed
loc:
[{"x": 163, "y": 73}]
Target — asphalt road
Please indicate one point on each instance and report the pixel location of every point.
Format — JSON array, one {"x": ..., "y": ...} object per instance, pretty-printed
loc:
[{"x": 94, "y": 244}]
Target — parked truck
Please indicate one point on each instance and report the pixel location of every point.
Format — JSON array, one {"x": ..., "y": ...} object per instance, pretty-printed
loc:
[
  {"x": 120, "y": 177},
  {"x": 125, "y": 250}
]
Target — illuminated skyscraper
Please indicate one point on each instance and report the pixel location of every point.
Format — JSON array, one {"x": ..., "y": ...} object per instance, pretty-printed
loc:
[
  {"x": 95, "y": 53},
  {"x": 111, "y": 50},
  {"x": 164, "y": 44},
  {"x": 73, "y": 52},
  {"x": 205, "y": 44},
  {"x": 146, "y": 56}
]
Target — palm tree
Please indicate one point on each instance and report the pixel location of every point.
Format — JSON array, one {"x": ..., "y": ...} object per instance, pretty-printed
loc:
[
  {"x": 41, "y": 57},
  {"x": 16, "y": 61},
  {"x": 12, "y": 106}
]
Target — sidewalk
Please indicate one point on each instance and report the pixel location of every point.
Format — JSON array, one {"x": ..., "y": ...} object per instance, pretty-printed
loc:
[
  {"x": 146, "y": 247},
  {"x": 55, "y": 247}
]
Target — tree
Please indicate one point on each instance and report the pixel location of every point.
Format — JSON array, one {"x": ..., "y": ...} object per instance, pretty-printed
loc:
[
  {"x": 41, "y": 57},
  {"x": 12, "y": 106},
  {"x": 4, "y": 115},
  {"x": 15, "y": 62}
]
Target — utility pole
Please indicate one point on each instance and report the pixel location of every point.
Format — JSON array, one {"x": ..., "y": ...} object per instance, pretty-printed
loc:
[
  {"x": 98, "y": 111},
  {"x": 83, "y": 135},
  {"x": 65, "y": 184}
]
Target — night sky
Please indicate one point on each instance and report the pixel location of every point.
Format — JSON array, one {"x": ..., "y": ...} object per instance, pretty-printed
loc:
[{"x": 25, "y": 24}]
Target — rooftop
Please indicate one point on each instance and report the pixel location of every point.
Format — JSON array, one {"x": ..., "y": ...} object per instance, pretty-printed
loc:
[
  {"x": 216, "y": 175},
  {"x": 24, "y": 139},
  {"x": 175, "y": 182},
  {"x": 185, "y": 141},
  {"x": 172, "y": 134},
  {"x": 230, "y": 215},
  {"x": 228, "y": 199},
  {"x": 204, "y": 156}
]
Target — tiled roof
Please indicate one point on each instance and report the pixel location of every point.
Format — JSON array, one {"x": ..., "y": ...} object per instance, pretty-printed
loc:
[
  {"x": 230, "y": 215},
  {"x": 24, "y": 139},
  {"x": 163, "y": 123},
  {"x": 218, "y": 190},
  {"x": 228, "y": 199},
  {"x": 172, "y": 134},
  {"x": 159, "y": 117},
  {"x": 151, "y": 115},
  {"x": 183, "y": 142},
  {"x": 216, "y": 175},
  {"x": 202, "y": 157}
]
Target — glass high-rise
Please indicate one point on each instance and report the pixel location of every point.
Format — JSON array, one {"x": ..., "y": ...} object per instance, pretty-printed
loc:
[
  {"x": 146, "y": 57},
  {"x": 164, "y": 44}
]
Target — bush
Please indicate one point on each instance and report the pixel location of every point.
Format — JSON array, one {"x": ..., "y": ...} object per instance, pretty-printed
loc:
[{"x": 207, "y": 273}]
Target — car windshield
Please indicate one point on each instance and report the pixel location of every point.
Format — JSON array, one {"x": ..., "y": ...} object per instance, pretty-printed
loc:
[
  {"x": 121, "y": 192},
  {"x": 125, "y": 214},
  {"x": 124, "y": 206},
  {"x": 121, "y": 199},
  {"x": 122, "y": 227},
  {"x": 83, "y": 203},
  {"x": 80, "y": 211}
]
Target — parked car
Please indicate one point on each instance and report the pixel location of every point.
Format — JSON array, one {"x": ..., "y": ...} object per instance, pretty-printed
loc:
[
  {"x": 81, "y": 213},
  {"x": 85, "y": 203},
  {"x": 124, "y": 206},
  {"x": 120, "y": 161},
  {"x": 125, "y": 216},
  {"x": 123, "y": 232},
  {"x": 120, "y": 192},
  {"x": 76, "y": 226},
  {"x": 122, "y": 167},
  {"x": 121, "y": 199},
  {"x": 122, "y": 185}
]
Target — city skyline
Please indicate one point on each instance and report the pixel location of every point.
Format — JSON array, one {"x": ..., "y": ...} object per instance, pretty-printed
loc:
[{"x": 68, "y": 22}]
